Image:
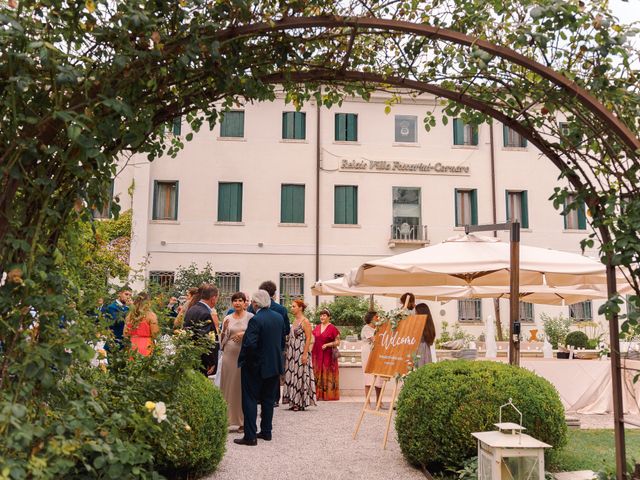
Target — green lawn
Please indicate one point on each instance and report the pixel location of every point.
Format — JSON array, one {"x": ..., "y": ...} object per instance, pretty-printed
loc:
[{"x": 594, "y": 450}]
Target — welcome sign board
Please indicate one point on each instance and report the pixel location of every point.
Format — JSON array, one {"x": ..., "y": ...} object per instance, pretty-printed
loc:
[{"x": 393, "y": 350}]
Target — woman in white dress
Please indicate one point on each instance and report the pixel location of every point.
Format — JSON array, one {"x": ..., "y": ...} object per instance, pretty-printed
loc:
[{"x": 367, "y": 333}]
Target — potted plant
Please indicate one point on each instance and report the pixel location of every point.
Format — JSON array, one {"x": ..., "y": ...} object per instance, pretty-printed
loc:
[{"x": 556, "y": 330}]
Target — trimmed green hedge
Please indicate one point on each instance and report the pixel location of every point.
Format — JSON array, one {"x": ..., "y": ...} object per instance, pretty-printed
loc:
[
  {"x": 441, "y": 404},
  {"x": 577, "y": 339},
  {"x": 197, "y": 448}
]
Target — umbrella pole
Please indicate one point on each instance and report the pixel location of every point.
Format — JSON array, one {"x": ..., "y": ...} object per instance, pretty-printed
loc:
[{"x": 514, "y": 297}]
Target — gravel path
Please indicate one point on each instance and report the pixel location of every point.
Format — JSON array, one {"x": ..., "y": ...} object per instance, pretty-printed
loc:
[{"x": 317, "y": 443}]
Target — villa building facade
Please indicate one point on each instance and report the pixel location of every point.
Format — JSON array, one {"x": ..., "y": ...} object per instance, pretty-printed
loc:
[{"x": 297, "y": 196}]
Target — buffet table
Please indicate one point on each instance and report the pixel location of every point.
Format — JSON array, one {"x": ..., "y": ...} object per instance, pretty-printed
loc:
[{"x": 584, "y": 386}]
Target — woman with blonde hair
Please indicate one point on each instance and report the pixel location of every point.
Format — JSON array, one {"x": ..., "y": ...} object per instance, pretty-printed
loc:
[
  {"x": 299, "y": 383},
  {"x": 141, "y": 325}
]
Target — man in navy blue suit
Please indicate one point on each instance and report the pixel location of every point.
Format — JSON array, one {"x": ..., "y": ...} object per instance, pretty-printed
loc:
[
  {"x": 116, "y": 312},
  {"x": 270, "y": 287},
  {"x": 261, "y": 365}
]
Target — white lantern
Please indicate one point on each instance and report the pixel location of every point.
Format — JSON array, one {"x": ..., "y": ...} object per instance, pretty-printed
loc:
[{"x": 509, "y": 454}]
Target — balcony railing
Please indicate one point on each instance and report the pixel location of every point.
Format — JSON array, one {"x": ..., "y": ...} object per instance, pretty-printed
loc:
[{"x": 408, "y": 234}]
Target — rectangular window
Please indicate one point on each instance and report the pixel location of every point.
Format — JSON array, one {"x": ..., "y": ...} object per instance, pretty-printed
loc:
[
  {"x": 470, "y": 310},
  {"x": 406, "y": 214},
  {"x": 466, "y": 202},
  {"x": 292, "y": 204},
  {"x": 511, "y": 138},
  {"x": 105, "y": 211},
  {"x": 165, "y": 200},
  {"x": 464, "y": 133},
  {"x": 345, "y": 205},
  {"x": 576, "y": 218},
  {"x": 228, "y": 283},
  {"x": 517, "y": 207},
  {"x": 406, "y": 128},
  {"x": 229, "y": 202},
  {"x": 294, "y": 125},
  {"x": 526, "y": 312},
  {"x": 581, "y": 312},
  {"x": 291, "y": 286},
  {"x": 346, "y": 127},
  {"x": 232, "y": 124},
  {"x": 162, "y": 278},
  {"x": 177, "y": 126}
]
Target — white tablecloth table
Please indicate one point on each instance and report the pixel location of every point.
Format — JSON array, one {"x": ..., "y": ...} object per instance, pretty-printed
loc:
[{"x": 585, "y": 385}]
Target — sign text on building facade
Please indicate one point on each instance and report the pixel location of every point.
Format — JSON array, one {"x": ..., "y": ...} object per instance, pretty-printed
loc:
[{"x": 395, "y": 166}]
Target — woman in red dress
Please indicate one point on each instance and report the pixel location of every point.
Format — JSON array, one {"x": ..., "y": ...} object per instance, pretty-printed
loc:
[
  {"x": 141, "y": 325},
  {"x": 324, "y": 358}
]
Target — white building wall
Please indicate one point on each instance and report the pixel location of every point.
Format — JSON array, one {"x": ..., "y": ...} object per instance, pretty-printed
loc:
[{"x": 260, "y": 248}]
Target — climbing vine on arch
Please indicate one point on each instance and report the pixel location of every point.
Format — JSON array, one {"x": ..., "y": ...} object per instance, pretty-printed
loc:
[{"x": 84, "y": 83}]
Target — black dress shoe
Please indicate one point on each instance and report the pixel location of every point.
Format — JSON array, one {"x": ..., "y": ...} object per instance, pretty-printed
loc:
[
  {"x": 264, "y": 437},
  {"x": 246, "y": 441}
]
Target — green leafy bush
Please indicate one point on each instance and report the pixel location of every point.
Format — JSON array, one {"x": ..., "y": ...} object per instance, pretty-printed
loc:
[
  {"x": 577, "y": 339},
  {"x": 345, "y": 311},
  {"x": 556, "y": 329},
  {"x": 198, "y": 446},
  {"x": 441, "y": 404}
]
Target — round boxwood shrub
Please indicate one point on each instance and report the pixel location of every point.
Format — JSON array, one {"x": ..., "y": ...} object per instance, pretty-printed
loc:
[
  {"x": 197, "y": 446},
  {"x": 441, "y": 404},
  {"x": 577, "y": 339}
]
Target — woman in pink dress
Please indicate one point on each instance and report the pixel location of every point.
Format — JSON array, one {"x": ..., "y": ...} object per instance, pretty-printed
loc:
[
  {"x": 141, "y": 325},
  {"x": 324, "y": 356}
]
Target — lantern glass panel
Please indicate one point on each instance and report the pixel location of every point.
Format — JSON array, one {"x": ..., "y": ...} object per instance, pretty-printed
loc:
[
  {"x": 520, "y": 468},
  {"x": 485, "y": 462}
]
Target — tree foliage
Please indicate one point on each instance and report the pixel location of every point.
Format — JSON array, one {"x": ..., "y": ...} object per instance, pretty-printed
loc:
[{"x": 85, "y": 83}]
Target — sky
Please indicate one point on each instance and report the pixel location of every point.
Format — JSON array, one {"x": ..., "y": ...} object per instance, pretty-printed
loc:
[{"x": 627, "y": 12}]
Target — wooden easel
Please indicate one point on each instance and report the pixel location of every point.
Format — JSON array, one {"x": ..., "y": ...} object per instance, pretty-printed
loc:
[{"x": 377, "y": 410}]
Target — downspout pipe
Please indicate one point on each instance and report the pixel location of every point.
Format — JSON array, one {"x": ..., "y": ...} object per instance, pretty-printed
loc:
[{"x": 317, "y": 259}]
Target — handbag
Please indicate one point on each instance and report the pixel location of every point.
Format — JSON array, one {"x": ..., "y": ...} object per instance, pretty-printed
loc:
[{"x": 336, "y": 353}]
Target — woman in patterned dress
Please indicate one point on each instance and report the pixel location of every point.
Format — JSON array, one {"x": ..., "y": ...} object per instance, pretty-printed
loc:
[
  {"x": 299, "y": 384},
  {"x": 325, "y": 361}
]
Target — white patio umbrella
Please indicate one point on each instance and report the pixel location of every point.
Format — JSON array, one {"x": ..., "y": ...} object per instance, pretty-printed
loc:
[
  {"x": 539, "y": 294},
  {"x": 474, "y": 260}
]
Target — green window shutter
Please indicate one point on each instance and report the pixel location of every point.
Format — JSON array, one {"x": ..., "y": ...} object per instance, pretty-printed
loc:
[
  {"x": 474, "y": 207},
  {"x": 505, "y": 135},
  {"x": 523, "y": 142},
  {"x": 525, "y": 210},
  {"x": 346, "y": 205},
  {"x": 156, "y": 192},
  {"x": 352, "y": 205},
  {"x": 458, "y": 132},
  {"x": 339, "y": 205},
  {"x": 230, "y": 202},
  {"x": 455, "y": 200},
  {"x": 352, "y": 127},
  {"x": 287, "y": 125},
  {"x": 232, "y": 125},
  {"x": 582, "y": 218},
  {"x": 292, "y": 204},
  {"x": 506, "y": 202},
  {"x": 341, "y": 127},
  {"x": 565, "y": 215},
  {"x": 474, "y": 140},
  {"x": 177, "y": 126},
  {"x": 300, "y": 120}
]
